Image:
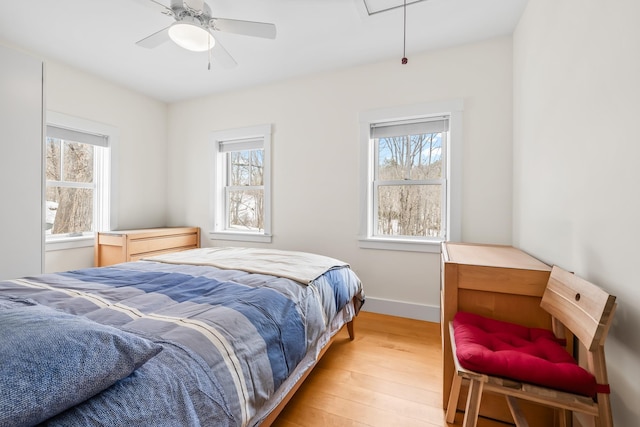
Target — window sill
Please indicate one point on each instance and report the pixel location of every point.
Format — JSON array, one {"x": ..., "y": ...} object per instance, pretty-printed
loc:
[
  {"x": 63, "y": 243},
  {"x": 401, "y": 245},
  {"x": 240, "y": 237}
]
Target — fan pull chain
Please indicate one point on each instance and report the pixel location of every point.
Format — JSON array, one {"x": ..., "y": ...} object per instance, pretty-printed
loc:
[{"x": 404, "y": 46}]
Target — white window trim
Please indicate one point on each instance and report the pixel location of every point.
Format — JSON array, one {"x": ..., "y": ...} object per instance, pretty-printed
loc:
[
  {"x": 453, "y": 109},
  {"x": 66, "y": 121},
  {"x": 217, "y": 204}
]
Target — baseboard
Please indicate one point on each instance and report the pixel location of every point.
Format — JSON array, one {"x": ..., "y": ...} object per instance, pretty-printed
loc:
[{"x": 409, "y": 310}]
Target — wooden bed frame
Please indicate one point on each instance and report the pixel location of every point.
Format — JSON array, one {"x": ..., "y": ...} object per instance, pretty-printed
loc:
[{"x": 276, "y": 411}]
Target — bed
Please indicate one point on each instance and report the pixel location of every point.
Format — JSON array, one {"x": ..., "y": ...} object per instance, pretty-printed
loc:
[{"x": 205, "y": 337}]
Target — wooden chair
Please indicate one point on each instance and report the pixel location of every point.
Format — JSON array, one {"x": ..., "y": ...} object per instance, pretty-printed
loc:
[{"x": 586, "y": 311}]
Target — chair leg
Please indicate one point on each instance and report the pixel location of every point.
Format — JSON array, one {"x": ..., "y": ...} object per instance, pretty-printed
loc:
[
  {"x": 473, "y": 403},
  {"x": 605, "y": 417},
  {"x": 565, "y": 418},
  {"x": 516, "y": 412},
  {"x": 452, "y": 406}
]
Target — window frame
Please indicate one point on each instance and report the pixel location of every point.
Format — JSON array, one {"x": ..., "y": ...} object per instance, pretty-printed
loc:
[
  {"x": 453, "y": 109},
  {"x": 219, "y": 189},
  {"x": 104, "y": 195}
]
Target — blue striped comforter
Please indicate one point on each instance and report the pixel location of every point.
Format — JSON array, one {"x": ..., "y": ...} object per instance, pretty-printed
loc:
[{"x": 230, "y": 338}]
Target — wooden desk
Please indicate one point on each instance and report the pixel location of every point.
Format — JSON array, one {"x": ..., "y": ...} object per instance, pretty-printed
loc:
[
  {"x": 114, "y": 247},
  {"x": 501, "y": 282}
]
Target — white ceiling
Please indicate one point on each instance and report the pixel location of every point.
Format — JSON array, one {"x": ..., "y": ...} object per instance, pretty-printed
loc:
[{"x": 99, "y": 36}]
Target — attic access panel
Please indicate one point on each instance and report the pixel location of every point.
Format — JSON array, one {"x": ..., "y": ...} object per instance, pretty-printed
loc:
[{"x": 378, "y": 6}]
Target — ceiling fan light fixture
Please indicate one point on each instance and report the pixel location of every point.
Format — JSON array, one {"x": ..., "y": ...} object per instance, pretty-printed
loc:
[{"x": 189, "y": 34}]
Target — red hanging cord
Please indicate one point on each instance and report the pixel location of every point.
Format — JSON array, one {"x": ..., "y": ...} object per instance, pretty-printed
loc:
[{"x": 404, "y": 46}]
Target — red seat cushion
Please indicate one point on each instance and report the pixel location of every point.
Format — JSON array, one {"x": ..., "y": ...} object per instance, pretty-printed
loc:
[{"x": 508, "y": 350}]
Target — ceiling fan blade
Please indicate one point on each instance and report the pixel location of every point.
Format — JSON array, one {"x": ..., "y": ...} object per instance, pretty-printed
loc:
[
  {"x": 158, "y": 6},
  {"x": 155, "y": 39},
  {"x": 222, "y": 57},
  {"x": 163, "y": 8},
  {"x": 247, "y": 28}
]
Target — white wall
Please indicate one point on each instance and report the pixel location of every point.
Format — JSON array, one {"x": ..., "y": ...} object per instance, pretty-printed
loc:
[
  {"x": 576, "y": 153},
  {"x": 140, "y": 167},
  {"x": 316, "y": 158},
  {"x": 21, "y": 103}
]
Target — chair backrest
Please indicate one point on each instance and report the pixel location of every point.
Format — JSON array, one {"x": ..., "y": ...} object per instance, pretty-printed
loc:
[{"x": 582, "y": 307}]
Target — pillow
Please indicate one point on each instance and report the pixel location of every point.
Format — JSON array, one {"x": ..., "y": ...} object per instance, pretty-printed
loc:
[
  {"x": 51, "y": 361},
  {"x": 514, "y": 351}
]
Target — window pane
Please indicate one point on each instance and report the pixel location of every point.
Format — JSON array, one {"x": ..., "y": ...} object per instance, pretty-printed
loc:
[
  {"x": 78, "y": 162},
  {"x": 257, "y": 162},
  {"x": 246, "y": 209},
  {"x": 409, "y": 210},
  {"x": 69, "y": 210},
  {"x": 245, "y": 167},
  {"x": 410, "y": 157},
  {"x": 239, "y": 168},
  {"x": 430, "y": 148},
  {"x": 53, "y": 159}
]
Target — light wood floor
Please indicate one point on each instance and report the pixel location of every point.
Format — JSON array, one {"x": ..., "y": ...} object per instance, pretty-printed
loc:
[{"x": 390, "y": 375}]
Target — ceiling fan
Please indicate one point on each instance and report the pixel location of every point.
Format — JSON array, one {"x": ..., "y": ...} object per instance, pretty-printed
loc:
[{"x": 194, "y": 27}]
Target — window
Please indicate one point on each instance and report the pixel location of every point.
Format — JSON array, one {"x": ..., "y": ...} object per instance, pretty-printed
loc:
[
  {"x": 241, "y": 184},
  {"x": 77, "y": 171},
  {"x": 407, "y": 179}
]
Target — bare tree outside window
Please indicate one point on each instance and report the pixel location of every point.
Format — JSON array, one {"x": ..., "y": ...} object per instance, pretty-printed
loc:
[
  {"x": 69, "y": 193},
  {"x": 245, "y": 191},
  {"x": 408, "y": 185}
]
